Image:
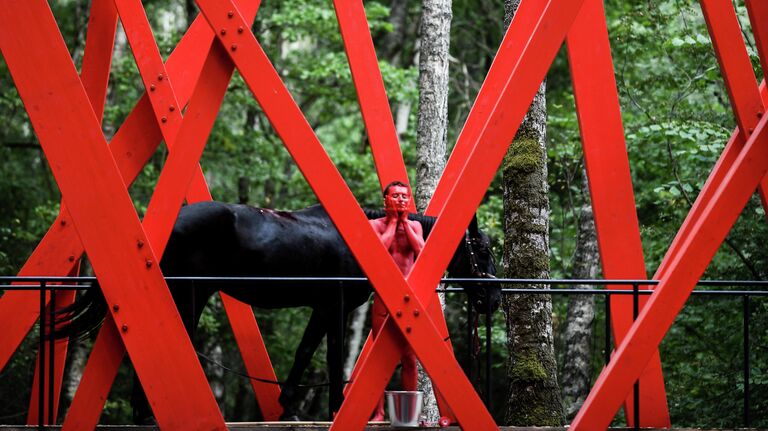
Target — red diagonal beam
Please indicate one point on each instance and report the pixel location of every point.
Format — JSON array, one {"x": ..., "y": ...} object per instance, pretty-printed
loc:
[
  {"x": 174, "y": 178},
  {"x": 607, "y": 166},
  {"x": 758, "y": 17},
  {"x": 504, "y": 63},
  {"x": 63, "y": 299},
  {"x": 57, "y": 256},
  {"x": 371, "y": 94},
  {"x": 492, "y": 141},
  {"x": 163, "y": 207},
  {"x": 673, "y": 290},
  {"x": 108, "y": 350},
  {"x": 87, "y": 176},
  {"x": 94, "y": 74},
  {"x": 327, "y": 183},
  {"x": 377, "y": 116},
  {"x": 132, "y": 146},
  {"x": 723, "y": 197},
  {"x": 97, "y": 56},
  {"x": 739, "y": 78}
]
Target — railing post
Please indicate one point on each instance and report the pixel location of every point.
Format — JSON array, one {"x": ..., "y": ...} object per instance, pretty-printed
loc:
[
  {"x": 41, "y": 362},
  {"x": 51, "y": 349},
  {"x": 470, "y": 344},
  {"x": 488, "y": 326},
  {"x": 745, "y": 317},
  {"x": 607, "y": 303},
  {"x": 635, "y": 312}
]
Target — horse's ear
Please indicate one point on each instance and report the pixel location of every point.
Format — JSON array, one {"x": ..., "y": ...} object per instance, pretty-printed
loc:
[{"x": 473, "y": 230}]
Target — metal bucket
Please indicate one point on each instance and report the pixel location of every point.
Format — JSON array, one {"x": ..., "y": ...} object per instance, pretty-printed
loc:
[{"x": 404, "y": 407}]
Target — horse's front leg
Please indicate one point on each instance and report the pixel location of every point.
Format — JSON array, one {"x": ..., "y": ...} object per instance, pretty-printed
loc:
[{"x": 311, "y": 339}]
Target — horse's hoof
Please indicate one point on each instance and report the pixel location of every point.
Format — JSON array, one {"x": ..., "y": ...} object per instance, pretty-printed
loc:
[{"x": 290, "y": 417}]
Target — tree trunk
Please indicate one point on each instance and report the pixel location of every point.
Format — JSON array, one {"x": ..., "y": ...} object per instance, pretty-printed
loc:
[
  {"x": 355, "y": 338},
  {"x": 534, "y": 396},
  {"x": 581, "y": 312},
  {"x": 432, "y": 129}
]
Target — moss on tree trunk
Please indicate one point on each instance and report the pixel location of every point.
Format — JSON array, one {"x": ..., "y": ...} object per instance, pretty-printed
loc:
[{"x": 534, "y": 395}]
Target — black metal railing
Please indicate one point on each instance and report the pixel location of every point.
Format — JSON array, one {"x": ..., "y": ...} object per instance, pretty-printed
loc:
[{"x": 48, "y": 286}]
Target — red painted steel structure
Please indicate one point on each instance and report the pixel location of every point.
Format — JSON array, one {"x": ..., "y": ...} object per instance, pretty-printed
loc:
[{"x": 65, "y": 111}]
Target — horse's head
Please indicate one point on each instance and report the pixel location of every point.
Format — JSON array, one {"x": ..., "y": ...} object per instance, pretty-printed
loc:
[{"x": 474, "y": 259}]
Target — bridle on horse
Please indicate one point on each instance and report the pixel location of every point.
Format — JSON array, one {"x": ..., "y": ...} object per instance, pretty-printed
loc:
[{"x": 474, "y": 267}]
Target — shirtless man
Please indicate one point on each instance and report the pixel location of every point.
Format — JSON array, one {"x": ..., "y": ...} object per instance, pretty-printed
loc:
[{"x": 404, "y": 240}]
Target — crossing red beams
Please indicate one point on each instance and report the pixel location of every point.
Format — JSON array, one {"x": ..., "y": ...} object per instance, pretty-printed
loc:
[
  {"x": 87, "y": 176},
  {"x": 327, "y": 183},
  {"x": 132, "y": 147},
  {"x": 523, "y": 59},
  {"x": 95, "y": 74},
  {"x": 730, "y": 185}
]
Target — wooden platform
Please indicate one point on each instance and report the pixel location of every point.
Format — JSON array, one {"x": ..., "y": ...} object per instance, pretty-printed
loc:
[{"x": 322, "y": 426}]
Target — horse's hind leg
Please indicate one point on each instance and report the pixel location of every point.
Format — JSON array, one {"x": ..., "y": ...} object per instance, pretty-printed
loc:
[
  {"x": 337, "y": 324},
  {"x": 313, "y": 334}
]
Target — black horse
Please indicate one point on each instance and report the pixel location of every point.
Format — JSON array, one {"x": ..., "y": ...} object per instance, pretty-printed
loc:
[{"x": 214, "y": 239}]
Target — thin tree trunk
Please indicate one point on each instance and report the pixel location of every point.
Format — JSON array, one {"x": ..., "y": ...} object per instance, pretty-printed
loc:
[
  {"x": 581, "y": 312},
  {"x": 76, "y": 360},
  {"x": 432, "y": 129},
  {"x": 534, "y": 396},
  {"x": 355, "y": 338}
]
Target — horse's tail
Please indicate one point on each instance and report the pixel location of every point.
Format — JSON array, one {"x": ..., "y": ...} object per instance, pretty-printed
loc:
[{"x": 83, "y": 316}]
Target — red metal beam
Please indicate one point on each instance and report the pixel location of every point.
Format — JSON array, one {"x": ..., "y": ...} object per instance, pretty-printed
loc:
[
  {"x": 737, "y": 72},
  {"x": 63, "y": 299},
  {"x": 758, "y": 17},
  {"x": 88, "y": 403},
  {"x": 477, "y": 173},
  {"x": 371, "y": 94},
  {"x": 504, "y": 63},
  {"x": 613, "y": 202},
  {"x": 97, "y": 59},
  {"x": 87, "y": 176},
  {"x": 734, "y": 179},
  {"x": 696, "y": 252},
  {"x": 327, "y": 183},
  {"x": 166, "y": 200},
  {"x": 132, "y": 146}
]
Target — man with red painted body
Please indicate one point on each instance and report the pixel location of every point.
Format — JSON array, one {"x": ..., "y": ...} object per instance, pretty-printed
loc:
[{"x": 404, "y": 240}]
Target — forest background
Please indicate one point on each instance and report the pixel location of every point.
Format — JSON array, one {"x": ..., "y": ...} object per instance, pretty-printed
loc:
[{"x": 676, "y": 116}]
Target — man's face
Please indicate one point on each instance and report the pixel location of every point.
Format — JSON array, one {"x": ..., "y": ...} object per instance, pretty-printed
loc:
[{"x": 398, "y": 197}]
